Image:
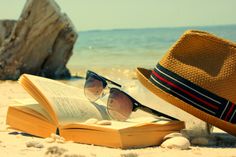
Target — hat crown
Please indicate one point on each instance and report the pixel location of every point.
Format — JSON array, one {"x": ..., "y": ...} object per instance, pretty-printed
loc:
[{"x": 205, "y": 60}]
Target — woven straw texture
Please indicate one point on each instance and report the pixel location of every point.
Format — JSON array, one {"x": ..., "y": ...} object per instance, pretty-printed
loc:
[{"x": 208, "y": 61}]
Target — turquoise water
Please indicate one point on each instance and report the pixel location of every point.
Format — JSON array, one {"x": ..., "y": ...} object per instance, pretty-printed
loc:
[{"x": 129, "y": 48}]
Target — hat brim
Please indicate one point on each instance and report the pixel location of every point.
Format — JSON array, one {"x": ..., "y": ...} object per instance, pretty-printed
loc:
[{"x": 143, "y": 76}]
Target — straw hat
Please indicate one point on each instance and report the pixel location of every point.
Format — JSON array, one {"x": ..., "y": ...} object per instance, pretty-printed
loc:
[{"x": 198, "y": 75}]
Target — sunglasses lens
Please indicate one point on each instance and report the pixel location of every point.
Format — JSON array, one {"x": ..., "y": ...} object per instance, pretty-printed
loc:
[
  {"x": 119, "y": 105},
  {"x": 93, "y": 88}
]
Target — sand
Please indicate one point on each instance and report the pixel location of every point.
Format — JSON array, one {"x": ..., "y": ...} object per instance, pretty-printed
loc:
[{"x": 13, "y": 143}]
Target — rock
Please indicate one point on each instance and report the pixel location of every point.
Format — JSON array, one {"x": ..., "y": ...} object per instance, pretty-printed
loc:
[
  {"x": 55, "y": 136},
  {"x": 176, "y": 143},
  {"x": 91, "y": 121},
  {"x": 40, "y": 42},
  {"x": 55, "y": 151},
  {"x": 49, "y": 140},
  {"x": 129, "y": 155},
  {"x": 60, "y": 140},
  {"x": 104, "y": 122},
  {"x": 73, "y": 155},
  {"x": 30, "y": 143},
  {"x": 39, "y": 145},
  {"x": 6, "y": 27},
  {"x": 35, "y": 144},
  {"x": 202, "y": 141},
  {"x": 171, "y": 135}
]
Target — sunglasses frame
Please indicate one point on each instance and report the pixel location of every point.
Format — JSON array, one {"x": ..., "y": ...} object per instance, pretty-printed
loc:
[
  {"x": 101, "y": 78},
  {"x": 136, "y": 105}
]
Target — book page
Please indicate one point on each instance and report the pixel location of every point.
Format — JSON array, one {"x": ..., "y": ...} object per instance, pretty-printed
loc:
[
  {"x": 135, "y": 122},
  {"x": 31, "y": 106},
  {"x": 117, "y": 125},
  {"x": 67, "y": 102}
]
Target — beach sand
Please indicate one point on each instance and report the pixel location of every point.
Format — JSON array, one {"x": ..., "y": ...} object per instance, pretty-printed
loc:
[{"x": 13, "y": 143}]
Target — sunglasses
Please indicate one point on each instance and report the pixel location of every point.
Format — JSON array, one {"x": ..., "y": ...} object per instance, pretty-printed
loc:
[{"x": 120, "y": 105}]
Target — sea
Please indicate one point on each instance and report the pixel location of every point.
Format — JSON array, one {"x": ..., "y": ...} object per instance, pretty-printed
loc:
[{"x": 122, "y": 50}]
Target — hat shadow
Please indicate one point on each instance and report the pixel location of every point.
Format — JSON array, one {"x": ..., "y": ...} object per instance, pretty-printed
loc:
[{"x": 220, "y": 140}]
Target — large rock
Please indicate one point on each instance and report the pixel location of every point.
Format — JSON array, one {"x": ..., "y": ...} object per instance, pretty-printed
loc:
[
  {"x": 6, "y": 27},
  {"x": 40, "y": 42}
]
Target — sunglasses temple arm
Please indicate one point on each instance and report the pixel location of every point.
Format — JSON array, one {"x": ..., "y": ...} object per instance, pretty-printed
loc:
[
  {"x": 114, "y": 83},
  {"x": 154, "y": 112}
]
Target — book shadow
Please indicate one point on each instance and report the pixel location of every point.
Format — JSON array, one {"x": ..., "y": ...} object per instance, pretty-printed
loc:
[{"x": 21, "y": 133}]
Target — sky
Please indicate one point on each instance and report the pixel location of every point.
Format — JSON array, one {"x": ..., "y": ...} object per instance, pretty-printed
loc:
[{"x": 118, "y": 14}]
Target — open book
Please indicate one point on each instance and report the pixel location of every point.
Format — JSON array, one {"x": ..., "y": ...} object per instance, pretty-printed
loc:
[{"x": 61, "y": 108}]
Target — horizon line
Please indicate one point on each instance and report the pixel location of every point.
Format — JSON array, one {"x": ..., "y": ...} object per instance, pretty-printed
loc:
[{"x": 164, "y": 27}]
